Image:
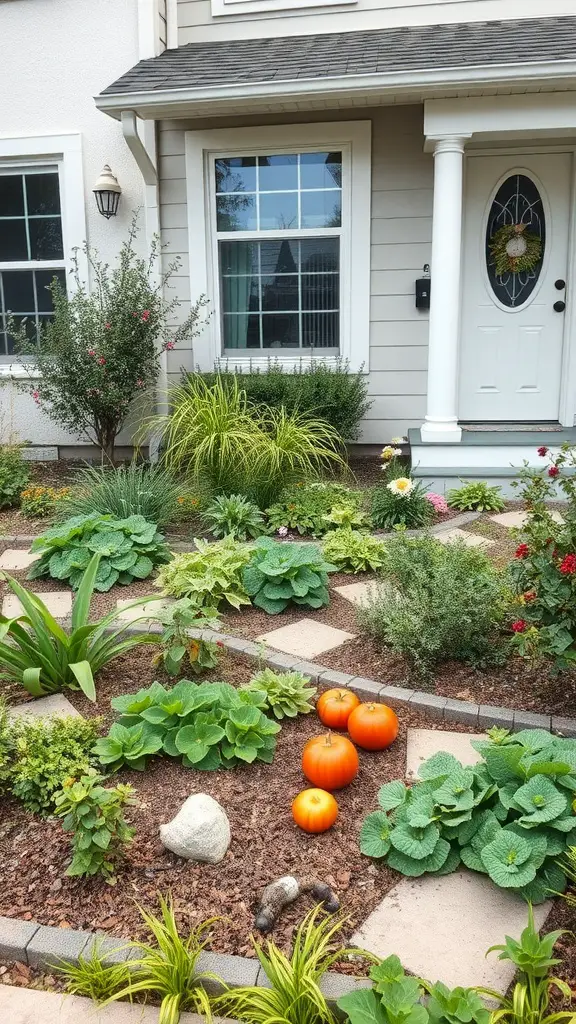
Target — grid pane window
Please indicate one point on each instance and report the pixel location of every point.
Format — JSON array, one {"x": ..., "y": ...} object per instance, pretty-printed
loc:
[
  {"x": 30, "y": 233},
  {"x": 280, "y": 292}
]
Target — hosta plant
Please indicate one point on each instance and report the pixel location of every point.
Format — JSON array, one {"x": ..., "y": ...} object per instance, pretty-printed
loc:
[
  {"x": 234, "y": 516},
  {"x": 208, "y": 725},
  {"x": 179, "y": 650},
  {"x": 346, "y": 515},
  {"x": 510, "y": 816},
  {"x": 352, "y": 551},
  {"x": 39, "y": 653},
  {"x": 476, "y": 496},
  {"x": 288, "y": 694},
  {"x": 278, "y": 574},
  {"x": 307, "y": 507},
  {"x": 208, "y": 576},
  {"x": 128, "y": 549},
  {"x": 95, "y": 816}
]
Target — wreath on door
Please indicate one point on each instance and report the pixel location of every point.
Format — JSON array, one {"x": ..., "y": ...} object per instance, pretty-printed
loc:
[{"x": 515, "y": 249}]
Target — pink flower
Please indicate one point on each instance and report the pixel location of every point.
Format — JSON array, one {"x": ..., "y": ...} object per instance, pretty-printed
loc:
[
  {"x": 553, "y": 471},
  {"x": 169, "y": 345},
  {"x": 519, "y": 626},
  {"x": 440, "y": 504},
  {"x": 107, "y": 326},
  {"x": 282, "y": 531},
  {"x": 139, "y": 383},
  {"x": 36, "y": 396},
  {"x": 135, "y": 314},
  {"x": 91, "y": 351},
  {"x": 102, "y": 361},
  {"x": 145, "y": 316}
]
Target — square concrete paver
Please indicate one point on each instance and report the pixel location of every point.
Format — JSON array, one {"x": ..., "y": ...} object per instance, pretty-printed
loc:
[
  {"x": 306, "y": 638},
  {"x": 471, "y": 540},
  {"x": 16, "y": 559},
  {"x": 26, "y": 1005},
  {"x": 518, "y": 518},
  {"x": 58, "y": 603},
  {"x": 149, "y": 608},
  {"x": 358, "y": 593},
  {"x": 441, "y": 928},
  {"x": 56, "y": 705},
  {"x": 423, "y": 743}
]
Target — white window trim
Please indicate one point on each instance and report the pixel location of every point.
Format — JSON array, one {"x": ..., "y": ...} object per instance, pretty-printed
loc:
[
  {"x": 235, "y": 7},
  {"x": 64, "y": 152},
  {"x": 201, "y": 148}
]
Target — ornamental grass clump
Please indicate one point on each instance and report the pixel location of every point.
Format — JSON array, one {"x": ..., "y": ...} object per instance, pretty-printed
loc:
[
  {"x": 476, "y": 496},
  {"x": 402, "y": 503},
  {"x": 280, "y": 574},
  {"x": 510, "y": 816},
  {"x": 133, "y": 490}
]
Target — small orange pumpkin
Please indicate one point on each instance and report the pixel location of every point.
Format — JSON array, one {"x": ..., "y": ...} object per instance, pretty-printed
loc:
[
  {"x": 330, "y": 762},
  {"x": 334, "y": 707},
  {"x": 314, "y": 810},
  {"x": 373, "y": 726}
]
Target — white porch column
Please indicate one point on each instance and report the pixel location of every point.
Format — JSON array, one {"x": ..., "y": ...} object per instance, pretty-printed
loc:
[{"x": 441, "y": 423}]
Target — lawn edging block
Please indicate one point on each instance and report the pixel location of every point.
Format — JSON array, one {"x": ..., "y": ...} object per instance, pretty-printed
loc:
[
  {"x": 234, "y": 971},
  {"x": 50, "y": 945},
  {"x": 15, "y": 936}
]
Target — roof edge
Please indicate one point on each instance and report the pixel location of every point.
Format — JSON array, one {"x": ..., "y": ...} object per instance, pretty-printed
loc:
[{"x": 158, "y": 102}]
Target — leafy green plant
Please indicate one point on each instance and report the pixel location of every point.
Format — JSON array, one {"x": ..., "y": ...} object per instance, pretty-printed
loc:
[
  {"x": 352, "y": 551},
  {"x": 530, "y": 999},
  {"x": 294, "y": 995},
  {"x": 128, "y": 548},
  {"x": 509, "y": 816},
  {"x": 347, "y": 516},
  {"x": 476, "y": 496},
  {"x": 151, "y": 491},
  {"x": 44, "y": 753},
  {"x": 305, "y": 507},
  {"x": 38, "y": 502},
  {"x": 401, "y": 503},
  {"x": 215, "y": 434},
  {"x": 234, "y": 516},
  {"x": 288, "y": 694},
  {"x": 36, "y": 651},
  {"x": 95, "y": 816},
  {"x": 280, "y": 573},
  {"x": 178, "y": 647},
  {"x": 439, "y": 602},
  {"x": 330, "y": 392},
  {"x": 94, "y": 976},
  {"x": 14, "y": 474},
  {"x": 209, "y": 725},
  {"x": 209, "y": 575},
  {"x": 567, "y": 864},
  {"x": 6, "y": 747}
]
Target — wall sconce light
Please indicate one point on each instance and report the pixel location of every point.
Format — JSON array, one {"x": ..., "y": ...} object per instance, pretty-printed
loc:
[{"x": 107, "y": 192}]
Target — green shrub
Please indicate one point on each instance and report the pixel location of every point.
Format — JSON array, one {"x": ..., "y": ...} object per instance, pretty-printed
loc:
[
  {"x": 234, "y": 516},
  {"x": 152, "y": 492},
  {"x": 288, "y": 694},
  {"x": 209, "y": 725},
  {"x": 38, "y": 502},
  {"x": 509, "y": 816},
  {"x": 307, "y": 508},
  {"x": 94, "y": 976},
  {"x": 14, "y": 474},
  {"x": 440, "y": 602},
  {"x": 476, "y": 496},
  {"x": 331, "y": 393},
  {"x": 401, "y": 503},
  {"x": 47, "y": 752},
  {"x": 220, "y": 439},
  {"x": 209, "y": 575},
  {"x": 352, "y": 551},
  {"x": 6, "y": 746},
  {"x": 38, "y": 653},
  {"x": 95, "y": 815},
  {"x": 128, "y": 548},
  {"x": 280, "y": 573},
  {"x": 177, "y": 647}
]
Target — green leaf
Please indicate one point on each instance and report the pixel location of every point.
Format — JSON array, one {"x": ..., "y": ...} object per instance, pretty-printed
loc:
[
  {"x": 142, "y": 568},
  {"x": 542, "y": 801},
  {"x": 82, "y": 672},
  {"x": 510, "y": 859},
  {"x": 375, "y": 835},
  {"x": 415, "y": 842},
  {"x": 391, "y": 795},
  {"x": 439, "y": 764},
  {"x": 363, "y": 1007}
]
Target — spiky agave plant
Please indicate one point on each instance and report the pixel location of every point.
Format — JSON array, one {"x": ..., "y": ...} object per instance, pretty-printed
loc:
[{"x": 295, "y": 996}]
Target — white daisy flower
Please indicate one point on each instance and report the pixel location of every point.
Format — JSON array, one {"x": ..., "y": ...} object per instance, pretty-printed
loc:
[{"x": 401, "y": 486}]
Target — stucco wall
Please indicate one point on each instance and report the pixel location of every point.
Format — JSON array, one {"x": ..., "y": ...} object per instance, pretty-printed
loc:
[
  {"x": 401, "y": 235},
  {"x": 56, "y": 56}
]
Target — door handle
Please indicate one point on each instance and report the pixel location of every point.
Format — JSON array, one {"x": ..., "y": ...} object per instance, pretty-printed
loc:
[
  {"x": 559, "y": 284},
  {"x": 559, "y": 306}
]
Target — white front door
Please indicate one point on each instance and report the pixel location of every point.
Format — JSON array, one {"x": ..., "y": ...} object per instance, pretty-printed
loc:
[{"x": 514, "y": 286}]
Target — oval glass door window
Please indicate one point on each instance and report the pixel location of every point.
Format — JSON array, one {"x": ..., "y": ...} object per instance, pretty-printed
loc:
[{"x": 515, "y": 240}]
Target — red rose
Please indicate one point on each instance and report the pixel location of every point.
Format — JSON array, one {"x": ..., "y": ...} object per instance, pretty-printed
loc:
[
  {"x": 519, "y": 626},
  {"x": 542, "y": 451},
  {"x": 145, "y": 315},
  {"x": 530, "y": 595},
  {"x": 522, "y": 551},
  {"x": 102, "y": 361},
  {"x": 553, "y": 471},
  {"x": 568, "y": 565}
]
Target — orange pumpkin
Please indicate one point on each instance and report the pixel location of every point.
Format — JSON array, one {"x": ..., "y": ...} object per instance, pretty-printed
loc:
[
  {"x": 314, "y": 810},
  {"x": 373, "y": 726},
  {"x": 330, "y": 762},
  {"x": 334, "y": 707}
]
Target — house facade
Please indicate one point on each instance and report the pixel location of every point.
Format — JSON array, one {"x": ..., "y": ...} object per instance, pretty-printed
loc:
[{"x": 56, "y": 54}]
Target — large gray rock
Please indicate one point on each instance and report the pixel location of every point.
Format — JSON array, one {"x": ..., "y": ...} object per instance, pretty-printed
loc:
[{"x": 200, "y": 830}]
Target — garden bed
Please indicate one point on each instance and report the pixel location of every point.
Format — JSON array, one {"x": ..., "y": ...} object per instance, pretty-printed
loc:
[{"x": 265, "y": 841}]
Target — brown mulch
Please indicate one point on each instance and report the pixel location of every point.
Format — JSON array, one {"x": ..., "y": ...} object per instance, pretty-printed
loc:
[{"x": 266, "y": 843}]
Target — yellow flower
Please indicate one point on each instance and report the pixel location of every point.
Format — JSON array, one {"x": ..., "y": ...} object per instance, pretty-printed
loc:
[
  {"x": 401, "y": 486},
  {"x": 387, "y": 453}
]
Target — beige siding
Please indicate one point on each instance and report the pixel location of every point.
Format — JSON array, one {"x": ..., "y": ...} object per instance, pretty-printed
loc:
[
  {"x": 401, "y": 233},
  {"x": 196, "y": 22}
]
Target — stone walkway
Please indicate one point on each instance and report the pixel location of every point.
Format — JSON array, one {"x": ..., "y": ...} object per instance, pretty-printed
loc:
[{"x": 28, "y": 1006}]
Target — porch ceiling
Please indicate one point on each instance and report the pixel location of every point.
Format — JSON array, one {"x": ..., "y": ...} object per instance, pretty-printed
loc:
[{"x": 344, "y": 68}]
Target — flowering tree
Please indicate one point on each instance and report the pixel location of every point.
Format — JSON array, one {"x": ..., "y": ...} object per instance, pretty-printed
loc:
[
  {"x": 544, "y": 567},
  {"x": 103, "y": 348}
]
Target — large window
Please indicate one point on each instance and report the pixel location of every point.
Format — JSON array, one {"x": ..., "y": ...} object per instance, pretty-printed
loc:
[
  {"x": 31, "y": 247},
  {"x": 278, "y": 223}
]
